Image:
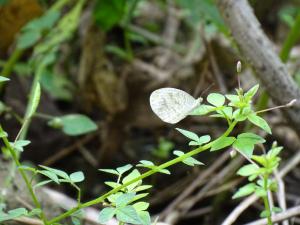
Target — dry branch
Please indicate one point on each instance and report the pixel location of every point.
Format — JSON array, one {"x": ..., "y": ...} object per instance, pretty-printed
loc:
[{"x": 259, "y": 52}]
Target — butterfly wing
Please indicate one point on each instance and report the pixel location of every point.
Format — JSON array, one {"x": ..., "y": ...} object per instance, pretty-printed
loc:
[{"x": 172, "y": 105}]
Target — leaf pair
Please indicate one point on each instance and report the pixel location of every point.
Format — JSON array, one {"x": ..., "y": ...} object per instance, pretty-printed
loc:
[
  {"x": 126, "y": 213},
  {"x": 195, "y": 139},
  {"x": 16, "y": 213},
  {"x": 59, "y": 176}
]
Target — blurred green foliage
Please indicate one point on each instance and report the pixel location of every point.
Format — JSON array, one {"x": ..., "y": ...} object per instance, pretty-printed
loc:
[
  {"x": 3, "y": 2},
  {"x": 202, "y": 11},
  {"x": 108, "y": 13}
]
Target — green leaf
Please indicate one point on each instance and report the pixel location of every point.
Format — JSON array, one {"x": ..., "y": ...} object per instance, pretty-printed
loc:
[
  {"x": 204, "y": 12},
  {"x": 124, "y": 199},
  {"x": 140, "y": 196},
  {"x": 178, "y": 153},
  {"x": 3, "y": 134},
  {"x": 75, "y": 220},
  {"x": 59, "y": 173},
  {"x": 144, "y": 217},
  {"x": 216, "y": 99},
  {"x": 112, "y": 184},
  {"x": 260, "y": 122},
  {"x": 20, "y": 144},
  {"x": 108, "y": 13},
  {"x": 204, "y": 139},
  {"x": 112, "y": 198},
  {"x": 57, "y": 85},
  {"x": 265, "y": 214},
  {"x": 249, "y": 94},
  {"x": 202, "y": 110},
  {"x": 13, "y": 214},
  {"x": 128, "y": 214},
  {"x": 42, "y": 183},
  {"x": 77, "y": 177},
  {"x": 151, "y": 165},
  {"x": 36, "y": 95},
  {"x": 234, "y": 99},
  {"x": 276, "y": 210},
  {"x": 3, "y": 79},
  {"x": 261, "y": 192},
  {"x": 164, "y": 171},
  {"x": 134, "y": 174},
  {"x": 77, "y": 124},
  {"x": 142, "y": 188},
  {"x": 245, "y": 143},
  {"x": 34, "y": 212},
  {"x": 42, "y": 23},
  {"x": 188, "y": 134},
  {"x": 124, "y": 169},
  {"x": 52, "y": 176},
  {"x": 48, "y": 20},
  {"x": 255, "y": 139},
  {"x": 190, "y": 161},
  {"x": 147, "y": 163},
  {"x": 28, "y": 39},
  {"x": 141, "y": 206},
  {"x": 262, "y": 160},
  {"x": 248, "y": 170},
  {"x": 227, "y": 111},
  {"x": 106, "y": 214},
  {"x": 111, "y": 171},
  {"x": 245, "y": 190},
  {"x": 222, "y": 142},
  {"x": 274, "y": 152},
  {"x": 193, "y": 143}
]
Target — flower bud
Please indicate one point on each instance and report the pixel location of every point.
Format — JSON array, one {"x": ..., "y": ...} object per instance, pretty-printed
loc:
[{"x": 239, "y": 67}]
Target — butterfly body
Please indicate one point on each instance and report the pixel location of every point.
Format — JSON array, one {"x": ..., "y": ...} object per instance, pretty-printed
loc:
[{"x": 172, "y": 105}]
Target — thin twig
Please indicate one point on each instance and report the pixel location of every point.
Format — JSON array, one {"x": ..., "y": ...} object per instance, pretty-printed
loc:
[
  {"x": 68, "y": 150},
  {"x": 279, "y": 217}
]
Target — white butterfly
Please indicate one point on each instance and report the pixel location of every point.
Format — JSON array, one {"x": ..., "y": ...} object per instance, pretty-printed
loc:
[{"x": 172, "y": 105}]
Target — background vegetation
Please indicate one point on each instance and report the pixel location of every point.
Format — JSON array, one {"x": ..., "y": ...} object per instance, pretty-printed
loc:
[{"x": 95, "y": 64}]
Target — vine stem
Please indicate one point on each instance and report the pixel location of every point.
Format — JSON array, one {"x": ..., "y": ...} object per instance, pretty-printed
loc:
[
  {"x": 267, "y": 201},
  {"x": 144, "y": 175},
  {"x": 23, "y": 174}
]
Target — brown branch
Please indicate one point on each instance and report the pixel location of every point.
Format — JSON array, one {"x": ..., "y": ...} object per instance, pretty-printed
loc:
[{"x": 259, "y": 52}]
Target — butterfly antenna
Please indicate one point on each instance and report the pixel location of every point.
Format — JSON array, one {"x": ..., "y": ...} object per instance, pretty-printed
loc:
[{"x": 206, "y": 89}]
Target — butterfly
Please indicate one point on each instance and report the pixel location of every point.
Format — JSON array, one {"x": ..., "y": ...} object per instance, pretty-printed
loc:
[{"x": 172, "y": 105}]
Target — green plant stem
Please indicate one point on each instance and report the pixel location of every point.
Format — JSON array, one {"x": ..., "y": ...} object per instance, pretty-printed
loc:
[
  {"x": 266, "y": 200},
  {"x": 24, "y": 176},
  {"x": 144, "y": 175},
  {"x": 78, "y": 193}
]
